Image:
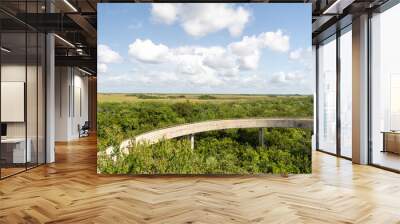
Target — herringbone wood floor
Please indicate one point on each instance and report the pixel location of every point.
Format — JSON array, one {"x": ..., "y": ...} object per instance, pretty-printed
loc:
[{"x": 70, "y": 191}]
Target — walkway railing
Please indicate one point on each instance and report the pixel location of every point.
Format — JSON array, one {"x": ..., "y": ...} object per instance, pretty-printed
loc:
[{"x": 194, "y": 128}]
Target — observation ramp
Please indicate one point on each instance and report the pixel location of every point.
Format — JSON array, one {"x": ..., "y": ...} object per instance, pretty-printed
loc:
[{"x": 193, "y": 128}]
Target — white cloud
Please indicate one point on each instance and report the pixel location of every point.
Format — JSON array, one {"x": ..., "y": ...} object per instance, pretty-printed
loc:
[
  {"x": 286, "y": 78},
  {"x": 149, "y": 77},
  {"x": 296, "y": 81},
  {"x": 276, "y": 41},
  {"x": 147, "y": 51},
  {"x": 250, "y": 61},
  {"x": 295, "y": 54},
  {"x": 206, "y": 78},
  {"x": 102, "y": 68},
  {"x": 158, "y": 80},
  {"x": 190, "y": 62},
  {"x": 217, "y": 57},
  {"x": 206, "y": 66},
  {"x": 209, "y": 65},
  {"x": 249, "y": 48},
  {"x": 201, "y": 19},
  {"x": 168, "y": 76},
  {"x": 197, "y": 60},
  {"x": 300, "y": 54},
  {"x": 106, "y": 55},
  {"x": 244, "y": 54},
  {"x": 165, "y": 12}
]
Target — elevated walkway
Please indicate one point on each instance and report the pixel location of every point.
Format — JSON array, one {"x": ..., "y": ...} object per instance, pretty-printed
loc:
[{"x": 215, "y": 125}]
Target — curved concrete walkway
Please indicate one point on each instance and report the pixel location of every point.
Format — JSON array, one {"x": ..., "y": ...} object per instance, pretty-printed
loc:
[{"x": 193, "y": 128}]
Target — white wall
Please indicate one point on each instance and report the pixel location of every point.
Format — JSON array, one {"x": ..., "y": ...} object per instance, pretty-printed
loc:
[
  {"x": 71, "y": 87},
  {"x": 62, "y": 82},
  {"x": 79, "y": 110}
]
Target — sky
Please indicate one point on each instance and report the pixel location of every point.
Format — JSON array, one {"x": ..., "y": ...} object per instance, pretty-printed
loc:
[{"x": 250, "y": 48}]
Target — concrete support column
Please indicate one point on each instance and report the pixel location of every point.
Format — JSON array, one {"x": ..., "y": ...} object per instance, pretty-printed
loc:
[
  {"x": 192, "y": 141},
  {"x": 50, "y": 99},
  {"x": 261, "y": 137},
  {"x": 360, "y": 90},
  {"x": 50, "y": 92},
  {"x": 92, "y": 100}
]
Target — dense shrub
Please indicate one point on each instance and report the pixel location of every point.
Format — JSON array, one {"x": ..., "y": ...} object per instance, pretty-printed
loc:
[
  {"x": 231, "y": 151},
  {"x": 207, "y": 97},
  {"x": 144, "y": 96},
  {"x": 212, "y": 155}
]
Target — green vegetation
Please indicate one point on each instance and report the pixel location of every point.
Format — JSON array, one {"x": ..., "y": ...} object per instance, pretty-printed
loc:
[
  {"x": 288, "y": 151},
  {"x": 145, "y": 96},
  {"x": 207, "y": 97},
  {"x": 231, "y": 151}
]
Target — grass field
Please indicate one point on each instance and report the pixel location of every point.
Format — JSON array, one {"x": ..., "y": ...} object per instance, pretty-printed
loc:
[{"x": 173, "y": 98}]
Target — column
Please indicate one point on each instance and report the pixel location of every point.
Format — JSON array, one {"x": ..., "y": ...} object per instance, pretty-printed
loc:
[
  {"x": 261, "y": 137},
  {"x": 50, "y": 98},
  {"x": 192, "y": 141},
  {"x": 360, "y": 90},
  {"x": 50, "y": 92}
]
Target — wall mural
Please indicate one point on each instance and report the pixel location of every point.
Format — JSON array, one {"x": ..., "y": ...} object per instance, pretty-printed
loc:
[{"x": 204, "y": 88}]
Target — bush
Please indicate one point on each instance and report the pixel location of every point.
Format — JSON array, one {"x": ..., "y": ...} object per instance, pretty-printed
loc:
[
  {"x": 210, "y": 156},
  {"x": 231, "y": 151},
  {"x": 207, "y": 97},
  {"x": 144, "y": 96}
]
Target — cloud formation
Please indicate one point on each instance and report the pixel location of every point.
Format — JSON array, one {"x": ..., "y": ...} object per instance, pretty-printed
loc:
[
  {"x": 102, "y": 68},
  {"x": 211, "y": 63},
  {"x": 165, "y": 13},
  {"x": 148, "y": 52},
  {"x": 201, "y": 19},
  {"x": 228, "y": 48},
  {"x": 286, "y": 78},
  {"x": 249, "y": 48},
  {"x": 300, "y": 54},
  {"x": 105, "y": 55}
]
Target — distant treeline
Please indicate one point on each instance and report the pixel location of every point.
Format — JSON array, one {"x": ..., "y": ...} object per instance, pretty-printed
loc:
[{"x": 147, "y": 96}]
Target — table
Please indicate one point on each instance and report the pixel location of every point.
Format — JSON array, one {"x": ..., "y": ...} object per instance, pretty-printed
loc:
[
  {"x": 13, "y": 150},
  {"x": 391, "y": 141}
]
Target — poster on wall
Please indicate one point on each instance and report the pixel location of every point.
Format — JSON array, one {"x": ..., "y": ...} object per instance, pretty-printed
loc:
[{"x": 204, "y": 88}]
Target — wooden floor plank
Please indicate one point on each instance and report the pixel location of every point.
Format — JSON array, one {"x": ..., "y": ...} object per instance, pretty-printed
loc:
[{"x": 70, "y": 191}]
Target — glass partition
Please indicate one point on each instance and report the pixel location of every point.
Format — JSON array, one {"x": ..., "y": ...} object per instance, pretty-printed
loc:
[
  {"x": 327, "y": 95},
  {"x": 22, "y": 78},
  {"x": 346, "y": 93},
  {"x": 385, "y": 89},
  {"x": 31, "y": 97},
  {"x": 13, "y": 90}
]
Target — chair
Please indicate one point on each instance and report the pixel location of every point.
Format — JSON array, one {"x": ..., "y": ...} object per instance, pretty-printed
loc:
[{"x": 84, "y": 130}]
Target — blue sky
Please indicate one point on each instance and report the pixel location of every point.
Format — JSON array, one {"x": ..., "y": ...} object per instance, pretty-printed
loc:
[{"x": 205, "y": 48}]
